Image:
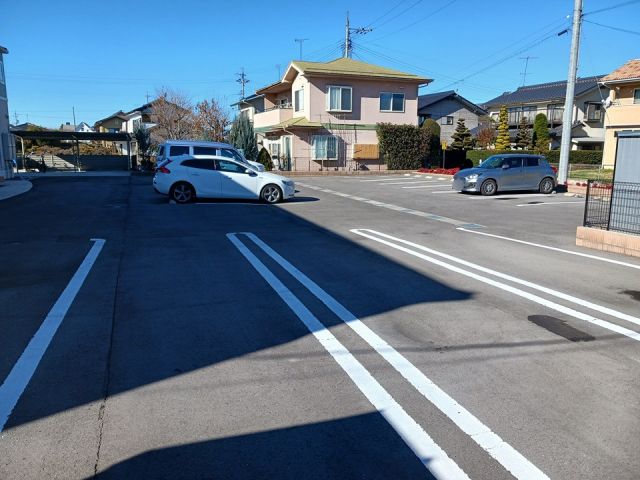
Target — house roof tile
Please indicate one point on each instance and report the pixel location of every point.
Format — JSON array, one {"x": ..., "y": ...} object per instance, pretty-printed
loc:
[
  {"x": 429, "y": 99},
  {"x": 628, "y": 71},
  {"x": 543, "y": 92},
  {"x": 349, "y": 66}
]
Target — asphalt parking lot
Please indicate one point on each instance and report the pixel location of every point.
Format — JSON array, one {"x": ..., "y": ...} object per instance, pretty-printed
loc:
[{"x": 374, "y": 327}]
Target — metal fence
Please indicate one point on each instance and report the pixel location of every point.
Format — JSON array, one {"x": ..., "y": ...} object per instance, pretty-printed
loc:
[{"x": 613, "y": 206}]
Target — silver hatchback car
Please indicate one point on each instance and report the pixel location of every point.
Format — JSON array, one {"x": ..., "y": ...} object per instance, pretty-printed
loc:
[{"x": 500, "y": 173}]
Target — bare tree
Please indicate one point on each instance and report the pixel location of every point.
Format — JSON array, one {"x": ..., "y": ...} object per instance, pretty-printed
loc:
[
  {"x": 486, "y": 136},
  {"x": 173, "y": 116},
  {"x": 210, "y": 120}
]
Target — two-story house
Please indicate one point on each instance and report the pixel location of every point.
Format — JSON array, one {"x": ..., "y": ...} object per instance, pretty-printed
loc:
[
  {"x": 587, "y": 132},
  {"x": 323, "y": 115},
  {"x": 447, "y": 108},
  {"x": 6, "y": 147},
  {"x": 623, "y": 113}
]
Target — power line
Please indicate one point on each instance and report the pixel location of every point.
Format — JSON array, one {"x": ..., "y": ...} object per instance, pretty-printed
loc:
[
  {"x": 624, "y": 30},
  {"x": 300, "y": 41},
  {"x": 526, "y": 66},
  {"x": 396, "y": 16},
  {"x": 387, "y": 13},
  {"x": 606, "y": 9},
  {"x": 242, "y": 80}
]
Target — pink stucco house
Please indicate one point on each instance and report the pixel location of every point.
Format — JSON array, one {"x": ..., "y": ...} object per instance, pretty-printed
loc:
[{"x": 323, "y": 115}]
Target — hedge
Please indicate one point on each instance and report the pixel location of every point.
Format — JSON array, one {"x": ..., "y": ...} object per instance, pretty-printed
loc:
[
  {"x": 403, "y": 147},
  {"x": 591, "y": 157}
]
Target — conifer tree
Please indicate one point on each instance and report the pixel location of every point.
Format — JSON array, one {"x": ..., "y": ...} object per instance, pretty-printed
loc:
[
  {"x": 541, "y": 133},
  {"x": 503, "y": 142},
  {"x": 523, "y": 137},
  {"x": 242, "y": 136},
  {"x": 462, "y": 139}
]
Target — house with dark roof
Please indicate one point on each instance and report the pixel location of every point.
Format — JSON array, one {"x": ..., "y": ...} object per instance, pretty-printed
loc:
[
  {"x": 447, "y": 108},
  {"x": 587, "y": 131},
  {"x": 249, "y": 106},
  {"x": 323, "y": 115},
  {"x": 622, "y": 123}
]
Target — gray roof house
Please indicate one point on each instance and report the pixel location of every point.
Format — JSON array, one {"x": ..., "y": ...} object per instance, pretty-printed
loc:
[
  {"x": 446, "y": 108},
  {"x": 588, "y": 112}
]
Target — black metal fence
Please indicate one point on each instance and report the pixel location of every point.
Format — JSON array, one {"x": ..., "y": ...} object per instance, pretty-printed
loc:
[{"x": 613, "y": 206}]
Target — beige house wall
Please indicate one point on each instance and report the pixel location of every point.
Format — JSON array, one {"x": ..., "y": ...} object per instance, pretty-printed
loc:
[{"x": 622, "y": 114}]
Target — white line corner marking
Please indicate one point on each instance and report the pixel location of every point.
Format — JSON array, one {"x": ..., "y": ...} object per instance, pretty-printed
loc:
[
  {"x": 21, "y": 373},
  {"x": 501, "y": 451}
]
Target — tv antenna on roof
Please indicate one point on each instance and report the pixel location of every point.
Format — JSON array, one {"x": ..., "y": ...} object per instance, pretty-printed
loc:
[{"x": 526, "y": 66}]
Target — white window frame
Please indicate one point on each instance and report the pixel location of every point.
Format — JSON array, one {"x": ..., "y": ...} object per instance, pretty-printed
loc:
[
  {"x": 298, "y": 103},
  {"x": 328, "y": 100},
  {"x": 391, "y": 105},
  {"x": 592, "y": 106},
  {"x": 444, "y": 120},
  {"x": 314, "y": 138}
]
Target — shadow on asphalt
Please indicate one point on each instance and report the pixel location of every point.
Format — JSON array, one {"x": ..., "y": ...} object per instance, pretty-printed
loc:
[{"x": 370, "y": 450}]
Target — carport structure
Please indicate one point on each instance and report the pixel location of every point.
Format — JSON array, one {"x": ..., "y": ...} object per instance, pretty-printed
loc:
[{"x": 75, "y": 137}]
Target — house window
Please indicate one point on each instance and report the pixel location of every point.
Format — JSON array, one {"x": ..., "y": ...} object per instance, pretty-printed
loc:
[
  {"x": 324, "y": 147},
  {"x": 555, "y": 112},
  {"x": 391, "y": 102},
  {"x": 298, "y": 100},
  {"x": 338, "y": 99},
  {"x": 636, "y": 95},
  {"x": 593, "y": 112},
  {"x": 446, "y": 120}
]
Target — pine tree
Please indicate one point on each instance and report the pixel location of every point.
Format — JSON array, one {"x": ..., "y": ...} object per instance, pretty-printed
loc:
[
  {"x": 503, "y": 142},
  {"x": 541, "y": 133},
  {"x": 523, "y": 137},
  {"x": 242, "y": 136},
  {"x": 462, "y": 139},
  {"x": 264, "y": 157}
]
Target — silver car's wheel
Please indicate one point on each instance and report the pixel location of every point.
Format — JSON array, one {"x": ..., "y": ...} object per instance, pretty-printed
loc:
[
  {"x": 271, "y": 194},
  {"x": 489, "y": 187},
  {"x": 182, "y": 193},
  {"x": 546, "y": 185}
]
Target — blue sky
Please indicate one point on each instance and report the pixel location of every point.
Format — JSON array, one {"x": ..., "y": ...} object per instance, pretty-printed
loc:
[{"x": 100, "y": 57}]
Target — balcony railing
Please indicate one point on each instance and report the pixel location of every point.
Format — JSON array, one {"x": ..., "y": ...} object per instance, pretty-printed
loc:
[{"x": 272, "y": 116}]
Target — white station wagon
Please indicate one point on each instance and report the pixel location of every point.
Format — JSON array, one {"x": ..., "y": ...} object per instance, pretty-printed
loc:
[{"x": 187, "y": 177}]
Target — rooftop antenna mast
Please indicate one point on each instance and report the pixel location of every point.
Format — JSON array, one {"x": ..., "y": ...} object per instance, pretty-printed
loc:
[
  {"x": 526, "y": 66},
  {"x": 242, "y": 80},
  {"x": 300, "y": 41},
  {"x": 348, "y": 31}
]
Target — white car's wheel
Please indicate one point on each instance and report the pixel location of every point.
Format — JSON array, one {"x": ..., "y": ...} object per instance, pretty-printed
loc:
[
  {"x": 182, "y": 192},
  {"x": 271, "y": 193}
]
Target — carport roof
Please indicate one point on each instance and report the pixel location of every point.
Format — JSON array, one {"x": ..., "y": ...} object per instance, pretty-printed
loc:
[{"x": 58, "y": 135}]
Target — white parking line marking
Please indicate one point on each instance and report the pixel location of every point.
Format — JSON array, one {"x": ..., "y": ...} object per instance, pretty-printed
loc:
[
  {"x": 427, "y": 186},
  {"x": 447, "y": 191},
  {"x": 387, "y": 179},
  {"x": 501, "y": 451},
  {"x": 430, "y": 454},
  {"x": 547, "y": 203},
  {"x": 20, "y": 375},
  {"x": 503, "y": 286},
  {"x": 411, "y": 183},
  {"x": 390, "y": 206},
  {"x": 506, "y": 196},
  {"x": 571, "y": 252}
]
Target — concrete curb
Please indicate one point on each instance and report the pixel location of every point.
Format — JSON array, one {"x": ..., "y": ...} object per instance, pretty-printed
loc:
[{"x": 11, "y": 188}]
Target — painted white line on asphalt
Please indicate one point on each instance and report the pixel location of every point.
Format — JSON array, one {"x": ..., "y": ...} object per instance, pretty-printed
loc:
[
  {"x": 501, "y": 451},
  {"x": 430, "y": 454},
  {"x": 390, "y": 206},
  {"x": 448, "y": 191},
  {"x": 507, "y": 196},
  {"x": 387, "y": 179},
  {"x": 20, "y": 375},
  {"x": 547, "y": 203},
  {"x": 427, "y": 186},
  {"x": 508, "y": 288},
  {"x": 571, "y": 252},
  {"x": 412, "y": 183}
]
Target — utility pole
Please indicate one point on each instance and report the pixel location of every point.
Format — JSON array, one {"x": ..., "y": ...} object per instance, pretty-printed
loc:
[
  {"x": 15, "y": 116},
  {"x": 567, "y": 118},
  {"x": 242, "y": 80},
  {"x": 348, "y": 46},
  {"x": 147, "y": 97},
  {"x": 73, "y": 109},
  {"x": 300, "y": 40},
  {"x": 526, "y": 65}
]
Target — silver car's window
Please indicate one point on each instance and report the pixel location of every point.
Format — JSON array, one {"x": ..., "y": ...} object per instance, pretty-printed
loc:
[
  {"x": 176, "y": 150},
  {"x": 492, "y": 162},
  {"x": 227, "y": 152},
  {"x": 204, "y": 151},
  {"x": 513, "y": 162}
]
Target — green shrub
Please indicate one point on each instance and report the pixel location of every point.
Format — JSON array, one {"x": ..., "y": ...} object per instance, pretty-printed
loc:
[
  {"x": 264, "y": 157},
  {"x": 403, "y": 147},
  {"x": 591, "y": 157}
]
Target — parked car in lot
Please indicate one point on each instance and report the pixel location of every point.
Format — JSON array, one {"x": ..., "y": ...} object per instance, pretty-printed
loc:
[
  {"x": 175, "y": 148},
  {"x": 187, "y": 177},
  {"x": 500, "y": 173}
]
